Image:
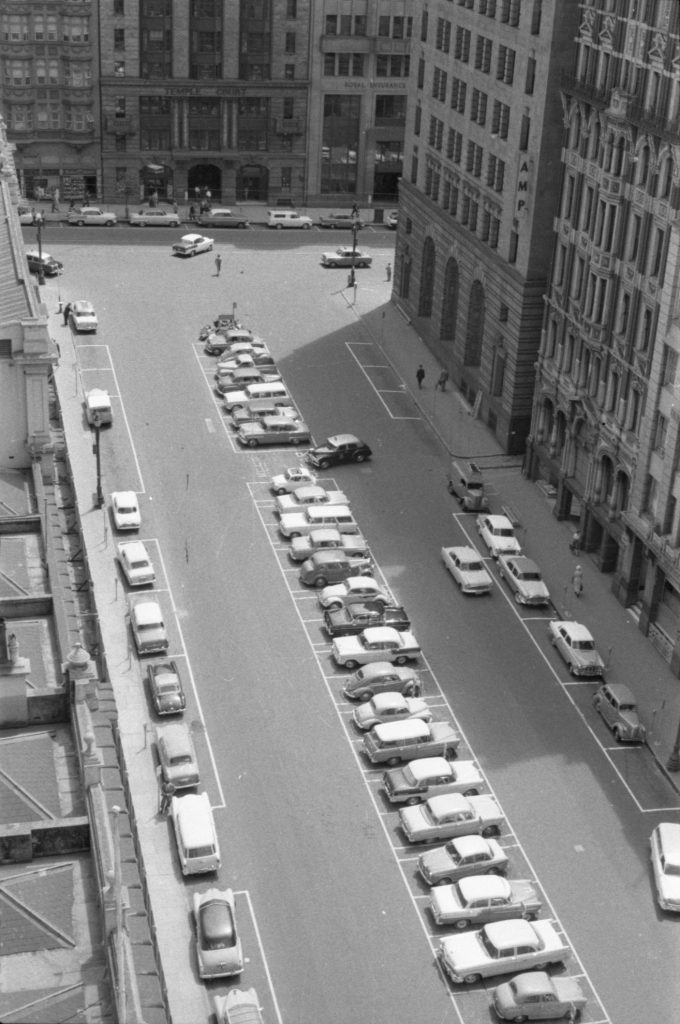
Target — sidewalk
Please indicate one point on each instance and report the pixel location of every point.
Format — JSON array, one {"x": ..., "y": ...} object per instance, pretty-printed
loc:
[{"x": 630, "y": 657}]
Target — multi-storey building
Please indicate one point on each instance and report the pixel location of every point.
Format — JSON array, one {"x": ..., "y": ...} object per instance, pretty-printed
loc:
[
  {"x": 288, "y": 101},
  {"x": 478, "y": 193},
  {"x": 605, "y": 425}
]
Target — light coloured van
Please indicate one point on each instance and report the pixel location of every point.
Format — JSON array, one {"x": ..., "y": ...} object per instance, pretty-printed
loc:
[
  {"x": 177, "y": 756},
  {"x": 272, "y": 390},
  {"x": 298, "y": 524},
  {"x": 392, "y": 742},
  {"x": 195, "y": 835},
  {"x": 467, "y": 484},
  {"x": 287, "y": 219}
]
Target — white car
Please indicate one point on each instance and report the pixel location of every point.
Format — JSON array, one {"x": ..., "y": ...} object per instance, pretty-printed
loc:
[
  {"x": 154, "y": 216},
  {"x": 524, "y": 579},
  {"x": 355, "y": 590},
  {"x": 125, "y": 510},
  {"x": 135, "y": 563},
  {"x": 665, "y": 854},
  {"x": 576, "y": 646},
  {"x": 429, "y": 776},
  {"x": 467, "y": 569},
  {"x": 82, "y": 317},
  {"x": 375, "y": 643},
  {"x": 462, "y": 856},
  {"x": 346, "y": 256},
  {"x": 390, "y": 707},
  {"x": 148, "y": 627},
  {"x": 91, "y": 215},
  {"x": 449, "y": 815},
  {"x": 327, "y": 539},
  {"x": 308, "y": 494},
  {"x": 499, "y": 948},
  {"x": 291, "y": 478},
  {"x": 239, "y": 1006},
  {"x": 98, "y": 411},
  {"x": 483, "y": 898},
  {"x": 191, "y": 245},
  {"x": 498, "y": 535}
]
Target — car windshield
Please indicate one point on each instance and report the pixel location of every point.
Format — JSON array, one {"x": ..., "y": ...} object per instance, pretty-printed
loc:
[
  {"x": 473, "y": 566},
  {"x": 140, "y": 563},
  {"x": 167, "y": 687},
  {"x": 584, "y": 645},
  {"x": 627, "y": 707},
  {"x": 488, "y": 946},
  {"x": 501, "y": 531},
  {"x": 530, "y": 576}
]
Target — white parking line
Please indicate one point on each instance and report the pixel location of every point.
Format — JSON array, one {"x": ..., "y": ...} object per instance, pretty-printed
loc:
[
  {"x": 377, "y": 392},
  {"x": 251, "y": 909}
]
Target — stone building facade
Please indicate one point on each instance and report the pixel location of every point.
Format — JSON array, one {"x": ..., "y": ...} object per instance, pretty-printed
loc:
[{"x": 604, "y": 427}]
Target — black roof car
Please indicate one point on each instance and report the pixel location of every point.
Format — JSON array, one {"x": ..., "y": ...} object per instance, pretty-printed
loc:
[
  {"x": 165, "y": 686},
  {"x": 338, "y": 449},
  {"x": 352, "y": 619}
]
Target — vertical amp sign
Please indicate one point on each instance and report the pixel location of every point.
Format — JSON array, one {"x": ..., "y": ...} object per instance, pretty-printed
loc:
[{"x": 523, "y": 185}]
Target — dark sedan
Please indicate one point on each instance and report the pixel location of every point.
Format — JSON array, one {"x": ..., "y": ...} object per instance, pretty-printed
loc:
[
  {"x": 350, "y": 620},
  {"x": 165, "y": 687},
  {"x": 338, "y": 449}
]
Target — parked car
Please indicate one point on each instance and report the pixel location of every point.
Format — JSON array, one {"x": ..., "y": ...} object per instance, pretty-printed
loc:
[
  {"x": 327, "y": 539},
  {"x": 239, "y": 1006},
  {"x": 25, "y": 214},
  {"x": 467, "y": 569},
  {"x": 665, "y": 855},
  {"x": 218, "y": 946},
  {"x": 219, "y": 342},
  {"x": 452, "y": 814},
  {"x": 192, "y": 244},
  {"x": 232, "y": 381},
  {"x": 38, "y": 261},
  {"x": 148, "y": 627},
  {"x": 135, "y": 563},
  {"x": 353, "y": 618},
  {"x": 382, "y": 677},
  {"x": 220, "y": 217},
  {"x": 355, "y": 590},
  {"x": 290, "y": 479},
  {"x": 390, "y": 707},
  {"x": 287, "y": 219},
  {"x": 392, "y": 219},
  {"x": 258, "y": 408},
  {"x": 461, "y": 856},
  {"x": 98, "y": 411},
  {"x": 500, "y": 947},
  {"x": 177, "y": 756},
  {"x": 125, "y": 510},
  {"x": 308, "y": 494},
  {"x": 165, "y": 687},
  {"x": 576, "y": 646},
  {"x": 262, "y": 359},
  {"x": 524, "y": 579},
  {"x": 429, "y": 776},
  {"x": 324, "y": 567},
  {"x": 376, "y": 643},
  {"x": 617, "y": 706},
  {"x": 340, "y": 220},
  {"x": 538, "y": 996},
  {"x": 498, "y": 535},
  {"x": 483, "y": 898},
  {"x": 466, "y": 483},
  {"x": 273, "y": 430},
  {"x": 81, "y": 215},
  {"x": 82, "y": 317},
  {"x": 315, "y": 517},
  {"x": 346, "y": 256},
  {"x": 392, "y": 742},
  {"x": 338, "y": 449},
  {"x": 154, "y": 216}
]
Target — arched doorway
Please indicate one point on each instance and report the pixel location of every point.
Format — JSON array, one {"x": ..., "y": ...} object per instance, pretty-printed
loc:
[
  {"x": 204, "y": 178},
  {"x": 475, "y": 326},
  {"x": 426, "y": 279},
  {"x": 447, "y": 329},
  {"x": 252, "y": 183}
]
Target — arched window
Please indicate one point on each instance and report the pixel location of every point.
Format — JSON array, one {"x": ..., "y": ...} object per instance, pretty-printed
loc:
[
  {"x": 665, "y": 180},
  {"x": 447, "y": 329},
  {"x": 475, "y": 325},
  {"x": 642, "y": 166}
]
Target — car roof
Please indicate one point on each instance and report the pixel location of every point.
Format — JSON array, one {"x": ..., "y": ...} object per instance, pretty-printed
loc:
[
  {"x": 328, "y": 555},
  {"x": 82, "y": 306},
  {"x": 283, "y": 421},
  {"x": 411, "y": 728},
  {"x": 465, "y": 553},
  {"x": 133, "y": 547},
  {"x": 124, "y": 496},
  {"x": 148, "y": 611},
  {"x": 622, "y": 693},
  {"x": 339, "y": 439},
  {"x": 669, "y": 839},
  {"x": 532, "y": 984},
  {"x": 501, "y": 521},
  {"x": 191, "y": 238},
  {"x": 222, "y": 210},
  {"x": 424, "y": 767},
  {"x": 446, "y": 802},
  {"x": 381, "y": 634},
  {"x": 325, "y": 534},
  {"x": 379, "y": 669},
  {"x": 478, "y": 887},
  {"x": 523, "y": 563},
  {"x": 575, "y": 629},
  {"x": 361, "y": 582},
  {"x": 306, "y": 489},
  {"x": 470, "y": 846},
  {"x": 511, "y": 933},
  {"x": 382, "y": 701}
]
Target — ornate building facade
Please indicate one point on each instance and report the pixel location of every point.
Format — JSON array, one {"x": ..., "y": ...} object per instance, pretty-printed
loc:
[{"x": 605, "y": 425}]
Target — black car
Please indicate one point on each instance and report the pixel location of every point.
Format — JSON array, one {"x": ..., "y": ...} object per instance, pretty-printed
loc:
[
  {"x": 352, "y": 619},
  {"x": 338, "y": 449},
  {"x": 50, "y": 266},
  {"x": 165, "y": 686}
]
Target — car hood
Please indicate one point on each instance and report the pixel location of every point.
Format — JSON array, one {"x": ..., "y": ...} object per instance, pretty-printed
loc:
[
  {"x": 463, "y": 951},
  {"x": 347, "y": 644},
  {"x": 534, "y": 588},
  {"x": 438, "y": 861}
]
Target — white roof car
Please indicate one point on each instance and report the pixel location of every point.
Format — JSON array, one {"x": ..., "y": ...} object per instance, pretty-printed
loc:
[
  {"x": 239, "y": 1006},
  {"x": 135, "y": 563},
  {"x": 390, "y": 707},
  {"x": 462, "y": 856},
  {"x": 287, "y": 219},
  {"x": 125, "y": 510},
  {"x": 82, "y": 316},
  {"x": 295, "y": 476},
  {"x": 483, "y": 898},
  {"x": 326, "y": 539},
  {"x": 346, "y": 256},
  {"x": 356, "y": 589},
  {"x": 98, "y": 407},
  {"x": 91, "y": 215},
  {"x": 576, "y": 646},
  {"x": 190, "y": 245},
  {"x": 524, "y": 579},
  {"x": 498, "y": 535},
  {"x": 153, "y": 216},
  {"x": 148, "y": 627},
  {"x": 309, "y": 494},
  {"x": 499, "y": 948},
  {"x": 467, "y": 569},
  {"x": 430, "y": 776},
  {"x": 665, "y": 853}
]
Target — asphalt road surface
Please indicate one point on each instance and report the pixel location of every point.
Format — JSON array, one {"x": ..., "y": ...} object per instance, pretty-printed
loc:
[{"x": 336, "y": 928}]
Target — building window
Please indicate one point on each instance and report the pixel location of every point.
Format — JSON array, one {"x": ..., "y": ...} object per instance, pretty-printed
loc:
[
  {"x": 15, "y": 27},
  {"x": 390, "y": 110},
  {"x": 454, "y": 146},
  {"x": 121, "y": 144},
  {"x": 510, "y": 10},
  {"x": 656, "y": 252},
  {"x": 530, "y": 80},
  {"x": 462, "y": 48},
  {"x": 119, "y": 68},
  {"x": 423, "y": 26},
  {"x": 458, "y": 93},
  {"x": 119, "y": 107},
  {"x": 483, "y": 54},
  {"x": 414, "y": 170},
  {"x": 536, "y": 14},
  {"x": 439, "y": 83},
  {"x": 119, "y": 38},
  {"x": 289, "y": 72},
  {"x": 286, "y": 178},
  {"x": 290, "y": 42},
  {"x": 478, "y": 107},
  {"x": 443, "y": 38},
  {"x": 291, "y": 9},
  {"x": 436, "y": 133},
  {"x": 394, "y": 66},
  {"x": 473, "y": 163},
  {"x": 670, "y": 366},
  {"x": 524, "y": 131},
  {"x": 119, "y": 6},
  {"x": 417, "y": 119},
  {"x": 500, "y": 120},
  {"x": 634, "y": 238},
  {"x": 76, "y": 30},
  {"x": 505, "y": 66},
  {"x": 660, "y": 433},
  {"x": 421, "y": 73}
]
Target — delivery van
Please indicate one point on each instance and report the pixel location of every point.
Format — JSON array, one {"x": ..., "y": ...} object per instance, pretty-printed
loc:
[
  {"x": 195, "y": 835},
  {"x": 467, "y": 484}
]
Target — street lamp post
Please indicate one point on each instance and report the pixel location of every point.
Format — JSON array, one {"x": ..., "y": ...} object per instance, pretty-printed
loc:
[
  {"x": 352, "y": 274},
  {"x": 97, "y": 454},
  {"x": 39, "y": 226}
]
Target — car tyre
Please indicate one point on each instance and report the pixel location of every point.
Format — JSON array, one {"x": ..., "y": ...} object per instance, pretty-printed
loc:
[
  {"x": 359, "y": 457},
  {"x": 616, "y": 733},
  {"x": 295, "y": 441},
  {"x": 520, "y": 1019},
  {"x": 252, "y": 443},
  {"x": 279, "y": 226},
  {"x": 320, "y": 581},
  {"x": 471, "y": 792},
  {"x": 401, "y": 660},
  {"x": 109, "y": 223},
  {"x": 351, "y": 663},
  {"x": 306, "y": 226},
  {"x": 141, "y": 223},
  {"x": 324, "y": 464},
  {"x": 490, "y": 830},
  {"x": 364, "y": 696},
  {"x": 392, "y": 762},
  {"x": 518, "y": 597},
  {"x": 462, "y": 924},
  {"x": 412, "y": 801},
  {"x": 472, "y": 979},
  {"x": 80, "y": 223}
]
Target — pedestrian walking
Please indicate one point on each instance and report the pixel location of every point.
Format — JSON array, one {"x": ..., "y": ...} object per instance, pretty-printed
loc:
[
  {"x": 441, "y": 383},
  {"x": 66, "y": 311},
  {"x": 218, "y": 265},
  {"x": 175, "y": 208},
  {"x": 388, "y": 272},
  {"x": 192, "y": 213},
  {"x": 577, "y": 581},
  {"x": 355, "y": 210},
  {"x": 166, "y": 795},
  {"x": 575, "y": 543},
  {"x": 34, "y": 216},
  {"x": 420, "y": 375}
]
